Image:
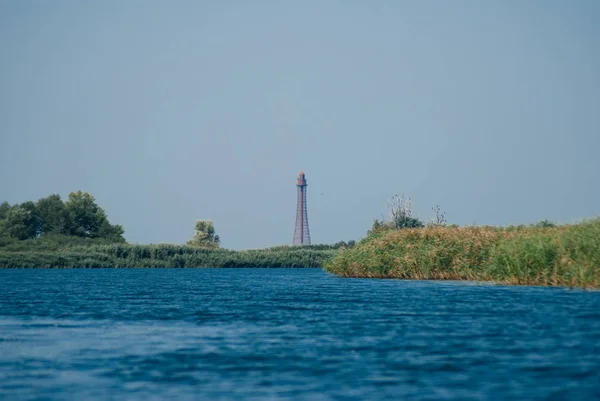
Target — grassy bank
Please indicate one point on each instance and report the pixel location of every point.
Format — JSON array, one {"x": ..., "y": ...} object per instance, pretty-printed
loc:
[
  {"x": 64, "y": 252},
  {"x": 564, "y": 256}
]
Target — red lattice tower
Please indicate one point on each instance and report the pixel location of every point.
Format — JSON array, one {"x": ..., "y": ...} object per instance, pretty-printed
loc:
[{"x": 301, "y": 232}]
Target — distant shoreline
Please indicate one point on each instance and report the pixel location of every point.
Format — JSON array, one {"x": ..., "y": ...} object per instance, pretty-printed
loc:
[{"x": 157, "y": 256}]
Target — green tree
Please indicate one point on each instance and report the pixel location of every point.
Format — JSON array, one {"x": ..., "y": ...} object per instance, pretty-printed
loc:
[
  {"x": 4, "y": 208},
  {"x": 22, "y": 221},
  {"x": 205, "y": 236},
  {"x": 545, "y": 224},
  {"x": 405, "y": 221},
  {"x": 89, "y": 220},
  {"x": 32, "y": 219},
  {"x": 53, "y": 214},
  {"x": 85, "y": 215},
  {"x": 112, "y": 232}
]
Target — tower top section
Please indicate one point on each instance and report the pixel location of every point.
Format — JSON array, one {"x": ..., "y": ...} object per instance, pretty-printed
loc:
[{"x": 301, "y": 180}]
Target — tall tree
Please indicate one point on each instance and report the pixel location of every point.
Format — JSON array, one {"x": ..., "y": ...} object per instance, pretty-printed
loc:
[
  {"x": 85, "y": 215},
  {"x": 89, "y": 220},
  {"x": 205, "y": 235},
  {"x": 4, "y": 208},
  {"x": 32, "y": 219},
  {"x": 22, "y": 221},
  {"x": 54, "y": 215}
]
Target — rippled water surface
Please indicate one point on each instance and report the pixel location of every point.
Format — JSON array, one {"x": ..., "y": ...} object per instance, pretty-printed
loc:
[{"x": 290, "y": 334}]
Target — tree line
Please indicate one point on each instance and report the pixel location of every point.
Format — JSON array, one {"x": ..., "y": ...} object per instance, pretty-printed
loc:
[
  {"x": 79, "y": 221},
  {"x": 80, "y": 216}
]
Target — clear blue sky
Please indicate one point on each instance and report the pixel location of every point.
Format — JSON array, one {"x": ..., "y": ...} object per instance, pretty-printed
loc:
[{"x": 172, "y": 111}]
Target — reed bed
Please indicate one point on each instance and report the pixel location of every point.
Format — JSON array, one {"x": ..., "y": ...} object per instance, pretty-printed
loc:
[
  {"x": 566, "y": 255},
  {"x": 60, "y": 255}
]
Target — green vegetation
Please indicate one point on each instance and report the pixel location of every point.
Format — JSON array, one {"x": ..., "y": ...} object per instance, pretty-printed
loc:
[
  {"x": 78, "y": 217},
  {"x": 542, "y": 254},
  {"x": 51, "y": 233},
  {"x": 205, "y": 236},
  {"x": 400, "y": 213},
  {"x": 64, "y": 252}
]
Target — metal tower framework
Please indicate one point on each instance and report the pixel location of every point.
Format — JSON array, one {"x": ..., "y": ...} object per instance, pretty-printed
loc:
[{"x": 301, "y": 232}]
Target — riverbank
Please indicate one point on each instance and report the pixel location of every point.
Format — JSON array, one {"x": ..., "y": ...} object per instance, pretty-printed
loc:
[
  {"x": 566, "y": 255},
  {"x": 60, "y": 254}
]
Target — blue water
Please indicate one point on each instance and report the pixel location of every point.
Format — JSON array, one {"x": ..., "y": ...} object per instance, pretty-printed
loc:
[{"x": 300, "y": 334}]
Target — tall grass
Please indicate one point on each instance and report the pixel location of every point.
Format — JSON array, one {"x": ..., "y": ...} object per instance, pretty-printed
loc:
[
  {"x": 59, "y": 253},
  {"x": 538, "y": 255}
]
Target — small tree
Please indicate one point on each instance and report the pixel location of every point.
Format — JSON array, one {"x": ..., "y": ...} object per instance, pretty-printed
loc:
[
  {"x": 440, "y": 217},
  {"x": 205, "y": 236},
  {"x": 400, "y": 213},
  {"x": 544, "y": 224},
  {"x": 381, "y": 225}
]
